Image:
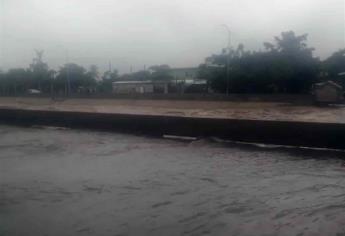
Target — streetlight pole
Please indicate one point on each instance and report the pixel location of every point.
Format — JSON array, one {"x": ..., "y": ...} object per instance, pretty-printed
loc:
[
  {"x": 68, "y": 74},
  {"x": 2, "y": 31},
  {"x": 228, "y": 60}
]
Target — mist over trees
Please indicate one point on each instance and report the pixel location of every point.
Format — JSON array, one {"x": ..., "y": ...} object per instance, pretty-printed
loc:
[
  {"x": 70, "y": 78},
  {"x": 287, "y": 65}
]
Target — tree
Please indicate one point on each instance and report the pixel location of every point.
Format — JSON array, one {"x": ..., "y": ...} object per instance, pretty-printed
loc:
[
  {"x": 142, "y": 75},
  {"x": 106, "y": 84},
  {"x": 291, "y": 44},
  {"x": 161, "y": 73},
  {"x": 74, "y": 77},
  {"x": 335, "y": 64},
  {"x": 40, "y": 72},
  {"x": 269, "y": 46},
  {"x": 93, "y": 72},
  {"x": 287, "y": 66},
  {"x": 3, "y": 83},
  {"x": 17, "y": 81},
  {"x": 111, "y": 75}
]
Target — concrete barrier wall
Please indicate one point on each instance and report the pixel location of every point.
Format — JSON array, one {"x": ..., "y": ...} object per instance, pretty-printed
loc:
[{"x": 324, "y": 135}]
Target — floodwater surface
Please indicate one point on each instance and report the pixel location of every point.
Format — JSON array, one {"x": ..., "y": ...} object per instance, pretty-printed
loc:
[{"x": 73, "y": 182}]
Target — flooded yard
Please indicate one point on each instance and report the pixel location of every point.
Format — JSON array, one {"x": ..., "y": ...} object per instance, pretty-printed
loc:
[{"x": 74, "y": 182}]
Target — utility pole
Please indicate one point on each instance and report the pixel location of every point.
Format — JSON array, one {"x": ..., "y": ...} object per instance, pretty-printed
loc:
[
  {"x": 228, "y": 61},
  {"x": 52, "y": 86},
  {"x": 68, "y": 74},
  {"x": 2, "y": 32}
]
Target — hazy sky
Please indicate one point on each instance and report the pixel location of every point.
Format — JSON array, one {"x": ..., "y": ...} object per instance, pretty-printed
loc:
[{"x": 146, "y": 32}]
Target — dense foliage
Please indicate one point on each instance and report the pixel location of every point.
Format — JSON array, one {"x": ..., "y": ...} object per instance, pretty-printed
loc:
[{"x": 286, "y": 66}]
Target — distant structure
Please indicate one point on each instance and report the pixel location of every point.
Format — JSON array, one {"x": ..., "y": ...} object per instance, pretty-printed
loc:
[
  {"x": 131, "y": 87},
  {"x": 183, "y": 74},
  {"x": 327, "y": 92},
  {"x": 210, "y": 62},
  {"x": 139, "y": 87},
  {"x": 183, "y": 80},
  {"x": 186, "y": 80}
]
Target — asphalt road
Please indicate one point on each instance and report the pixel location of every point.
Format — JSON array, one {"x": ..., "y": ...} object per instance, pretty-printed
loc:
[{"x": 73, "y": 182}]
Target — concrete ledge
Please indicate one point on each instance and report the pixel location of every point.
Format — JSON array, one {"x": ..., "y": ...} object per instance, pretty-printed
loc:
[{"x": 309, "y": 134}]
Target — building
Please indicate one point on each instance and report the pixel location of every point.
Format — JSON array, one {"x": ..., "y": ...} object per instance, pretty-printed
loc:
[
  {"x": 327, "y": 92},
  {"x": 181, "y": 80},
  {"x": 211, "y": 62},
  {"x": 185, "y": 80},
  {"x": 196, "y": 86},
  {"x": 139, "y": 87},
  {"x": 183, "y": 74},
  {"x": 132, "y": 87}
]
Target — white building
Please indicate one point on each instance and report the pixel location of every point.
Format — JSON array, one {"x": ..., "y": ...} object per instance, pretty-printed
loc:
[
  {"x": 131, "y": 87},
  {"x": 140, "y": 87}
]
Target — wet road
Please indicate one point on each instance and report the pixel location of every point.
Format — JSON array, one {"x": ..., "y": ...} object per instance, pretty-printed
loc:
[{"x": 70, "y": 182}]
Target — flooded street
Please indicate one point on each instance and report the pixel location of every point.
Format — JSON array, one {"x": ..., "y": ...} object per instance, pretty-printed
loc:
[{"x": 73, "y": 182}]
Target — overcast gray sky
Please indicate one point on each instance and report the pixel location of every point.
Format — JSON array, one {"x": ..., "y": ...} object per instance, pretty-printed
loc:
[{"x": 146, "y": 32}]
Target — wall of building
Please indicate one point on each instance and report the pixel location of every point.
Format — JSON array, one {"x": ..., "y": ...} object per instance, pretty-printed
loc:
[{"x": 132, "y": 88}]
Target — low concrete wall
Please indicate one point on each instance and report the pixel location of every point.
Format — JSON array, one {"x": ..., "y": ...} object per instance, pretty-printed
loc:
[{"x": 325, "y": 135}]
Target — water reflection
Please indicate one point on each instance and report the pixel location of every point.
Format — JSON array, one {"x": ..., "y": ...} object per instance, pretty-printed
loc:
[{"x": 68, "y": 182}]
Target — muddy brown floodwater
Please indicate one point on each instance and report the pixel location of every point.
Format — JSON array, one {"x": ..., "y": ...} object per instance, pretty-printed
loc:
[
  {"x": 73, "y": 182},
  {"x": 185, "y": 108}
]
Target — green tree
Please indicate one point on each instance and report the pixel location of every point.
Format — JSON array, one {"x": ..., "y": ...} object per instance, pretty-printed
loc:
[
  {"x": 93, "y": 72},
  {"x": 287, "y": 66},
  {"x": 74, "y": 77},
  {"x": 40, "y": 72},
  {"x": 3, "y": 83},
  {"x": 161, "y": 73},
  {"x": 142, "y": 75},
  {"x": 335, "y": 64},
  {"x": 106, "y": 84},
  {"x": 17, "y": 81}
]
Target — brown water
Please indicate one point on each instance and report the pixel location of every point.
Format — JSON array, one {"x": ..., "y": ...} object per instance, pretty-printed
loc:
[
  {"x": 185, "y": 108},
  {"x": 69, "y": 182}
]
